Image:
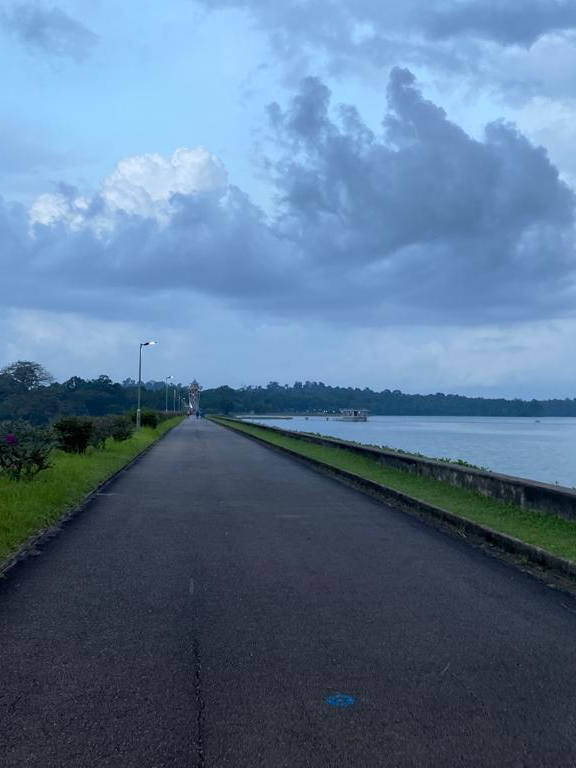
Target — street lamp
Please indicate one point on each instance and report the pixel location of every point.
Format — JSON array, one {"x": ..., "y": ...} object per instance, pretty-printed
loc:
[
  {"x": 142, "y": 344},
  {"x": 167, "y": 377},
  {"x": 174, "y": 398}
]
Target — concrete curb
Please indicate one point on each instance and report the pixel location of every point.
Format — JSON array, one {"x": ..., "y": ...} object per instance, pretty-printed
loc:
[
  {"x": 534, "y": 495},
  {"x": 558, "y": 565},
  {"x": 31, "y": 546}
]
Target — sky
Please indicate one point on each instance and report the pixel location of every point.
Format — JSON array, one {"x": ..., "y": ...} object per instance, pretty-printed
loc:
[{"x": 378, "y": 193}]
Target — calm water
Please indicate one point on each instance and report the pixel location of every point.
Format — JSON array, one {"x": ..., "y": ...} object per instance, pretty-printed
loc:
[{"x": 544, "y": 450}]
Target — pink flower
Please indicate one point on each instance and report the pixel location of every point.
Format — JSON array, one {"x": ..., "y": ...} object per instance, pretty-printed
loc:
[{"x": 11, "y": 439}]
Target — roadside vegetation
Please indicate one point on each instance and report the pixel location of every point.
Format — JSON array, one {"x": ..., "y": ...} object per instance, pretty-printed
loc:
[
  {"x": 44, "y": 473},
  {"x": 553, "y": 534}
]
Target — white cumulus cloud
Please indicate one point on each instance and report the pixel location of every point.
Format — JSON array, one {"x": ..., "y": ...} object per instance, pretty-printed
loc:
[{"x": 141, "y": 185}]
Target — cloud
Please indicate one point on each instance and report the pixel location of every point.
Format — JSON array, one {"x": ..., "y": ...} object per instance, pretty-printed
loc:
[
  {"x": 142, "y": 185},
  {"x": 219, "y": 346},
  {"x": 547, "y": 67},
  {"x": 454, "y": 39},
  {"x": 509, "y": 22},
  {"x": 327, "y": 22},
  {"x": 425, "y": 219},
  {"x": 139, "y": 183},
  {"x": 419, "y": 224},
  {"x": 49, "y": 30}
]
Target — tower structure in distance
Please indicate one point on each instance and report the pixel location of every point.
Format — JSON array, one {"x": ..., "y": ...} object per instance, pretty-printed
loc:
[{"x": 194, "y": 397}]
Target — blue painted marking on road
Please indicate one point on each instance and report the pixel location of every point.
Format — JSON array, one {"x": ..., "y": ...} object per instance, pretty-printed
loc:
[{"x": 341, "y": 700}]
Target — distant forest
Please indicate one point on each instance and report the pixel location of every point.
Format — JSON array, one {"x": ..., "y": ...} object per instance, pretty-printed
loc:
[
  {"x": 28, "y": 391},
  {"x": 316, "y": 397}
]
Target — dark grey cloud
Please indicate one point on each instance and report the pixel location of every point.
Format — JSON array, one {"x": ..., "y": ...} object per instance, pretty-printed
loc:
[
  {"x": 452, "y": 36},
  {"x": 419, "y": 223},
  {"x": 505, "y": 21},
  {"x": 50, "y": 30},
  {"x": 508, "y": 22},
  {"x": 425, "y": 216},
  {"x": 221, "y": 248}
]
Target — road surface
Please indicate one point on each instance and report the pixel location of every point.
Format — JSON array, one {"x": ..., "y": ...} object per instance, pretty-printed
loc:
[{"x": 224, "y": 605}]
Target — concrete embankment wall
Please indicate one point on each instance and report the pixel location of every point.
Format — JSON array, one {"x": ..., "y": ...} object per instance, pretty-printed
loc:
[{"x": 529, "y": 494}]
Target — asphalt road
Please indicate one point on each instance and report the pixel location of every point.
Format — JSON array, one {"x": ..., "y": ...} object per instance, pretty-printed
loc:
[{"x": 207, "y": 609}]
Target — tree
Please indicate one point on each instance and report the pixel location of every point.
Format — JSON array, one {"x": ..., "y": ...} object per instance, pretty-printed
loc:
[
  {"x": 27, "y": 374},
  {"x": 103, "y": 381},
  {"x": 75, "y": 382}
]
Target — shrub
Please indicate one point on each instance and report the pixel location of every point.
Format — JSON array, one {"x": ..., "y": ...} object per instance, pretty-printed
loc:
[
  {"x": 73, "y": 434},
  {"x": 120, "y": 428},
  {"x": 101, "y": 431},
  {"x": 115, "y": 426},
  {"x": 24, "y": 449},
  {"x": 149, "y": 419}
]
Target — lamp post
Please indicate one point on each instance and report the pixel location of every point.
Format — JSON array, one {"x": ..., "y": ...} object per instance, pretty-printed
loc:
[
  {"x": 174, "y": 398},
  {"x": 167, "y": 377},
  {"x": 142, "y": 344}
]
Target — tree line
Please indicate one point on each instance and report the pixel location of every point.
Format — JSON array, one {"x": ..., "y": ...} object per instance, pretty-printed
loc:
[
  {"x": 28, "y": 391},
  {"x": 317, "y": 397}
]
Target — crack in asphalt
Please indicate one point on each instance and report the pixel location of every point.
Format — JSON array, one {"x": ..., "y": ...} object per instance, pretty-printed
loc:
[{"x": 200, "y": 763}]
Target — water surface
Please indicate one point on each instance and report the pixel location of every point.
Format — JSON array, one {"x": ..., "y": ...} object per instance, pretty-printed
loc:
[{"x": 540, "y": 450}]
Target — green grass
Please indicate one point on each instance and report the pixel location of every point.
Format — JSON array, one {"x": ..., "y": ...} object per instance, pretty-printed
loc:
[
  {"x": 28, "y": 507},
  {"x": 551, "y": 533}
]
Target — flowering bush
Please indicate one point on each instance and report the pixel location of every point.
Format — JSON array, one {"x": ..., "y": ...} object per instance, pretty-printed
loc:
[{"x": 24, "y": 449}]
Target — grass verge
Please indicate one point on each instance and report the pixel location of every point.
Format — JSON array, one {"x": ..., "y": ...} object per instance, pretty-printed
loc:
[
  {"x": 553, "y": 534},
  {"x": 28, "y": 508}
]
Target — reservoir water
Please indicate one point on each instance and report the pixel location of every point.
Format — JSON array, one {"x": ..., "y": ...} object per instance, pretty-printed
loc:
[{"x": 540, "y": 450}]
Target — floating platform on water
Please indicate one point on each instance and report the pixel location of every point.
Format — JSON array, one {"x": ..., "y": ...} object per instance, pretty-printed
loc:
[{"x": 352, "y": 414}]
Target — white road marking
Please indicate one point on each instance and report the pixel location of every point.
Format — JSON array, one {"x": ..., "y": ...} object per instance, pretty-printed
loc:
[{"x": 291, "y": 517}]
